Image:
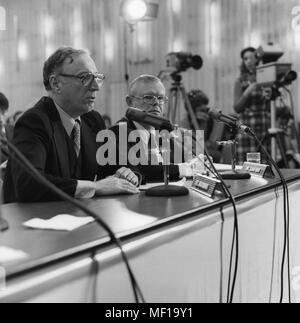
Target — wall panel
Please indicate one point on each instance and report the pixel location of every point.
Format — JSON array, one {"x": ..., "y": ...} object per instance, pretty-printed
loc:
[{"x": 215, "y": 29}]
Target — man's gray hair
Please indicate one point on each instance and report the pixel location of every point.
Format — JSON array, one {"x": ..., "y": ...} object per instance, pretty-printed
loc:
[
  {"x": 55, "y": 62},
  {"x": 145, "y": 78}
]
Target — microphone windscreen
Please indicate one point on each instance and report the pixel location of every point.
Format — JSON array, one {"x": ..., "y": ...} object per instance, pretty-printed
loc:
[{"x": 158, "y": 123}]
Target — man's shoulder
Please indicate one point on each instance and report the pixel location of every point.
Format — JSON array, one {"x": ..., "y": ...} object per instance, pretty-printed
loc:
[
  {"x": 43, "y": 111},
  {"x": 94, "y": 120}
]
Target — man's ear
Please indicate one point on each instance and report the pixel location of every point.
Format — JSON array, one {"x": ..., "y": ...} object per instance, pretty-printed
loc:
[
  {"x": 55, "y": 84},
  {"x": 129, "y": 101}
]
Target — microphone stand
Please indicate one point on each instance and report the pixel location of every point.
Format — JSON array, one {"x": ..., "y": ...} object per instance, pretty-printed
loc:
[
  {"x": 233, "y": 173},
  {"x": 167, "y": 190}
]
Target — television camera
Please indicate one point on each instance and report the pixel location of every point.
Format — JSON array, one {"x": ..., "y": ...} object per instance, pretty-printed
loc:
[
  {"x": 272, "y": 73},
  {"x": 178, "y": 62}
]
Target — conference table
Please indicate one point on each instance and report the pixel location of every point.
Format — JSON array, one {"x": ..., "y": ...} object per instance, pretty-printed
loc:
[{"x": 178, "y": 248}]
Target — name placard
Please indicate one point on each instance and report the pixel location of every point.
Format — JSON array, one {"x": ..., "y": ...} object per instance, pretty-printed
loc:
[
  {"x": 260, "y": 170},
  {"x": 207, "y": 186}
]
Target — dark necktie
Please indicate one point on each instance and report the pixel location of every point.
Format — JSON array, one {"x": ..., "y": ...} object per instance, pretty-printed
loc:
[{"x": 75, "y": 136}]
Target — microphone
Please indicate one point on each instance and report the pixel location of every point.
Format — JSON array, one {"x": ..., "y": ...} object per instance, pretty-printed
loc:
[
  {"x": 158, "y": 123},
  {"x": 288, "y": 78},
  {"x": 229, "y": 120}
]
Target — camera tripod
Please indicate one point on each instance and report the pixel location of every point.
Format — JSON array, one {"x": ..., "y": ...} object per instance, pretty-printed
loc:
[
  {"x": 177, "y": 91},
  {"x": 275, "y": 134}
]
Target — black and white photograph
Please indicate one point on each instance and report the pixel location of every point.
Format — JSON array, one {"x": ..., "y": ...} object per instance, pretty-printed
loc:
[{"x": 149, "y": 154}]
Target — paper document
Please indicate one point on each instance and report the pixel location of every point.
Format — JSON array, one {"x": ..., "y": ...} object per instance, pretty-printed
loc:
[
  {"x": 62, "y": 222},
  {"x": 9, "y": 255}
]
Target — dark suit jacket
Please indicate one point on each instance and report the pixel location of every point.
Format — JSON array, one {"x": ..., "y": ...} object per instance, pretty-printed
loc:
[
  {"x": 150, "y": 173},
  {"x": 39, "y": 134},
  {"x": 4, "y": 148}
]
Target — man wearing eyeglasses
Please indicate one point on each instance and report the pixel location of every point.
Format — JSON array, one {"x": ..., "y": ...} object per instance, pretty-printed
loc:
[
  {"x": 58, "y": 136},
  {"x": 148, "y": 94}
]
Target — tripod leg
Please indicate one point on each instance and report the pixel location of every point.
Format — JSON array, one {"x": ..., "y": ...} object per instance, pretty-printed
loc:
[
  {"x": 173, "y": 102},
  {"x": 189, "y": 109},
  {"x": 273, "y": 128},
  {"x": 265, "y": 139},
  {"x": 175, "y": 110},
  {"x": 170, "y": 104}
]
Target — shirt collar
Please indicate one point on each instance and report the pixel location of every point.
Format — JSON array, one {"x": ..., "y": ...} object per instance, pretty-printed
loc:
[{"x": 67, "y": 121}]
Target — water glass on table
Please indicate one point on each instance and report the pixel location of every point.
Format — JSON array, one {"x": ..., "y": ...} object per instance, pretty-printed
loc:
[{"x": 254, "y": 158}]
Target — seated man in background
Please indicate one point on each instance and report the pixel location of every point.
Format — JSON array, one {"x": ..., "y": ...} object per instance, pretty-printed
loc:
[
  {"x": 58, "y": 136},
  {"x": 148, "y": 94}
]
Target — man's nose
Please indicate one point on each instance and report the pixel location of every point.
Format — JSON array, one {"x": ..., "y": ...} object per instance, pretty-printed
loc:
[
  {"x": 156, "y": 102},
  {"x": 95, "y": 86}
]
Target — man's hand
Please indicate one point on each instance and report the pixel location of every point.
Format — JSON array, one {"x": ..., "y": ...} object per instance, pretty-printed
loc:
[
  {"x": 127, "y": 174},
  {"x": 114, "y": 186}
]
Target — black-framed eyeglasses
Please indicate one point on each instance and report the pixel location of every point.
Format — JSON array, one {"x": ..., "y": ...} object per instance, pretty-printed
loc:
[
  {"x": 151, "y": 99},
  {"x": 87, "y": 79}
]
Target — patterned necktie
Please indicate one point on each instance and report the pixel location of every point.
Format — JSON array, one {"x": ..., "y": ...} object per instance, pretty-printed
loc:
[{"x": 75, "y": 136}]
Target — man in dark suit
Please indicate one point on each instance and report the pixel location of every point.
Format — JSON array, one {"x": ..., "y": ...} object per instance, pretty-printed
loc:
[
  {"x": 58, "y": 136},
  {"x": 148, "y": 94}
]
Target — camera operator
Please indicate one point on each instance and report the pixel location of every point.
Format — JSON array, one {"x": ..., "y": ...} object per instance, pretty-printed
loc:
[{"x": 252, "y": 103}]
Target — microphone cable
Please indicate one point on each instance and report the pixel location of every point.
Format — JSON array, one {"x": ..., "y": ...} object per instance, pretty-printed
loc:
[
  {"x": 24, "y": 163},
  {"x": 286, "y": 206},
  {"x": 235, "y": 238}
]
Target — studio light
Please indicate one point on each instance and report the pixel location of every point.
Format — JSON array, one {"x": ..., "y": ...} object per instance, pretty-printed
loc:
[
  {"x": 134, "y": 11},
  {"x": 138, "y": 10}
]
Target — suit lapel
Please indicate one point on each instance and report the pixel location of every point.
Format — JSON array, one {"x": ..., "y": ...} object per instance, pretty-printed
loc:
[
  {"x": 62, "y": 148},
  {"x": 59, "y": 135}
]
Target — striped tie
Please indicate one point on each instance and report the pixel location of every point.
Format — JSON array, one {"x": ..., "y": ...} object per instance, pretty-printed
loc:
[{"x": 75, "y": 136}]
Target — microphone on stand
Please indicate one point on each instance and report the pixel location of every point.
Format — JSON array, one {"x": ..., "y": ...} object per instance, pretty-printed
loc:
[
  {"x": 229, "y": 120},
  {"x": 159, "y": 123},
  {"x": 236, "y": 127}
]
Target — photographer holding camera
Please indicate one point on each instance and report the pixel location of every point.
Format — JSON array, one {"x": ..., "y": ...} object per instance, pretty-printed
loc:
[{"x": 252, "y": 103}]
